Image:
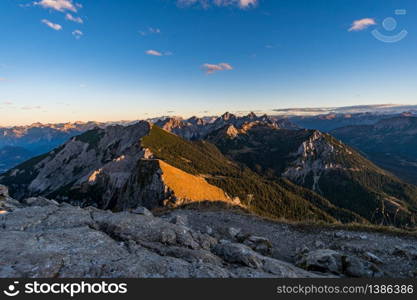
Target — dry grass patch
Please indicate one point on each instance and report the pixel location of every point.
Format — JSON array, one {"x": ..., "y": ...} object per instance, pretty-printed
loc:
[{"x": 190, "y": 187}]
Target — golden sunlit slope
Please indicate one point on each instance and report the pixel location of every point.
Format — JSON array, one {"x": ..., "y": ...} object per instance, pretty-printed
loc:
[{"x": 190, "y": 188}]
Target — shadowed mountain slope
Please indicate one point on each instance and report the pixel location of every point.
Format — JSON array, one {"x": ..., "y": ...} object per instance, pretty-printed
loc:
[
  {"x": 325, "y": 165},
  {"x": 390, "y": 143}
]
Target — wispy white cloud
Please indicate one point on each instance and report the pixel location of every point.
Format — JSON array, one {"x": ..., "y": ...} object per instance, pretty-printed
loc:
[
  {"x": 362, "y": 24},
  {"x": 149, "y": 31},
  {"x": 77, "y": 34},
  {"x": 246, "y": 3},
  {"x": 59, "y": 5},
  {"x": 154, "y": 53},
  {"x": 212, "y": 68},
  {"x": 271, "y": 46},
  {"x": 68, "y": 7},
  {"x": 72, "y": 18},
  {"x": 154, "y": 30},
  {"x": 206, "y": 3},
  {"x": 158, "y": 53},
  {"x": 54, "y": 26}
]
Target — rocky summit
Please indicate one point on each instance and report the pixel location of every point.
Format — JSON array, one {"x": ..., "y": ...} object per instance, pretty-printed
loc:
[{"x": 42, "y": 238}]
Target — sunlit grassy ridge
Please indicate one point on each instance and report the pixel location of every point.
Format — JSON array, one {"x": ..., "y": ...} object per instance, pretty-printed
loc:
[{"x": 190, "y": 187}]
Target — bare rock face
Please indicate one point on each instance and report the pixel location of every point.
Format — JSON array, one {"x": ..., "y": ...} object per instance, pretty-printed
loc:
[
  {"x": 100, "y": 160},
  {"x": 327, "y": 260},
  {"x": 4, "y": 191},
  {"x": 7, "y": 204},
  {"x": 142, "y": 211},
  {"x": 259, "y": 244},
  {"x": 42, "y": 238},
  {"x": 320, "y": 260},
  {"x": 314, "y": 156},
  {"x": 238, "y": 253},
  {"x": 39, "y": 201}
]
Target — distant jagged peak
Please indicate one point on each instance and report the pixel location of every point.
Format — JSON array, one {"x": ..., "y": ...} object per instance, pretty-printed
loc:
[
  {"x": 173, "y": 118},
  {"x": 196, "y": 121},
  {"x": 252, "y": 115},
  {"x": 171, "y": 122},
  {"x": 37, "y": 124},
  {"x": 232, "y": 131},
  {"x": 196, "y": 128},
  {"x": 247, "y": 126},
  {"x": 264, "y": 117},
  {"x": 227, "y": 116}
]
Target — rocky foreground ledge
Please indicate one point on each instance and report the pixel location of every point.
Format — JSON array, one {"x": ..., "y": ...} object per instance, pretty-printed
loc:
[{"x": 42, "y": 238}]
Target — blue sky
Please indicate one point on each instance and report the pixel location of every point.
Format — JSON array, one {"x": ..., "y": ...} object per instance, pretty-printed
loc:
[{"x": 63, "y": 60}]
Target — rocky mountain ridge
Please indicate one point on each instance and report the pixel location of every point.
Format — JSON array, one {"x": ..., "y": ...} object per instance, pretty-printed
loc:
[
  {"x": 271, "y": 171},
  {"x": 199, "y": 128},
  {"x": 38, "y": 138}
]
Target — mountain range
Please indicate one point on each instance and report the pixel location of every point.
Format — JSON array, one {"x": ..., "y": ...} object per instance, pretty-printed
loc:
[
  {"x": 22, "y": 142},
  {"x": 198, "y": 128},
  {"x": 390, "y": 143},
  {"x": 374, "y": 109},
  {"x": 263, "y": 165},
  {"x": 332, "y": 121}
]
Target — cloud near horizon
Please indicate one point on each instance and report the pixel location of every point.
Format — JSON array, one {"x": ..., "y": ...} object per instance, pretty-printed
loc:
[
  {"x": 31, "y": 107},
  {"x": 51, "y": 25},
  {"x": 206, "y": 3},
  {"x": 212, "y": 68},
  {"x": 362, "y": 24}
]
